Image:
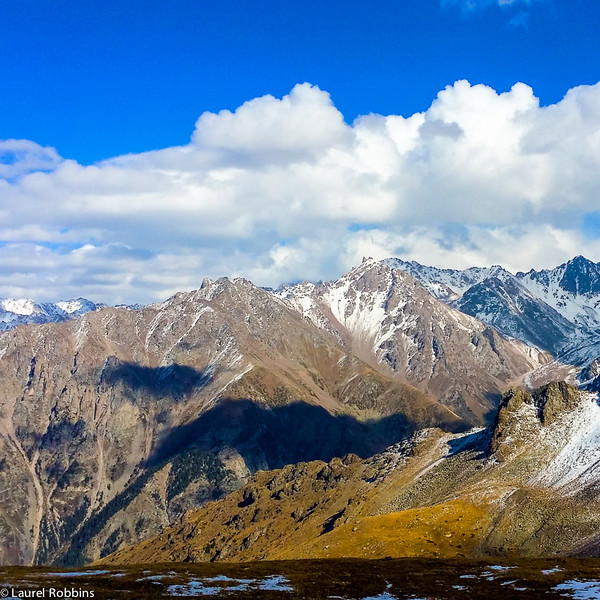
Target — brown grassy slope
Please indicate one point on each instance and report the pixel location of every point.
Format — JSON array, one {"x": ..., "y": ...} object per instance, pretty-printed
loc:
[
  {"x": 439, "y": 495},
  {"x": 324, "y": 510}
]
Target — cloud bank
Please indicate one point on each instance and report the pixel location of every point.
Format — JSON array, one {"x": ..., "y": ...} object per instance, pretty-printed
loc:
[{"x": 284, "y": 189}]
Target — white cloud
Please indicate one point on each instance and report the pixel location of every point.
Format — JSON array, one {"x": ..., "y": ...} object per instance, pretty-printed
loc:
[
  {"x": 18, "y": 157},
  {"x": 284, "y": 189},
  {"x": 301, "y": 125}
]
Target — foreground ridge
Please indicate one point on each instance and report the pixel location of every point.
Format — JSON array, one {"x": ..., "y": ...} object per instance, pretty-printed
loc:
[{"x": 507, "y": 490}]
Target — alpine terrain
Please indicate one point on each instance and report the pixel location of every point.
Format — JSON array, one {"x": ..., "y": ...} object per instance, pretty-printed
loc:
[
  {"x": 381, "y": 399},
  {"x": 526, "y": 486}
]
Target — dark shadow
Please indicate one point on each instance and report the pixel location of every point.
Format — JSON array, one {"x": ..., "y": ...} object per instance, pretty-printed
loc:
[
  {"x": 494, "y": 399},
  {"x": 477, "y": 441},
  {"x": 330, "y": 523},
  {"x": 271, "y": 437},
  {"x": 266, "y": 437},
  {"x": 173, "y": 381}
]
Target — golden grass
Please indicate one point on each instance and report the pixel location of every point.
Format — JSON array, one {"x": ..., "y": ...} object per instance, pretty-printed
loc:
[{"x": 447, "y": 530}]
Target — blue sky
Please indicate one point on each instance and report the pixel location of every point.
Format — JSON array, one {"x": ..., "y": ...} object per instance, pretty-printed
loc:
[
  {"x": 97, "y": 79},
  {"x": 291, "y": 138}
]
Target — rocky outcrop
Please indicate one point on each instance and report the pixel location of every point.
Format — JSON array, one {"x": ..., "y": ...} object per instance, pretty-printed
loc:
[
  {"x": 522, "y": 414},
  {"x": 435, "y": 495}
]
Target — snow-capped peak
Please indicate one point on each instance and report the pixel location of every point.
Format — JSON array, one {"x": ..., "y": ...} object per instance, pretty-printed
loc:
[
  {"x": 23, "y": 311},
  {"x": 79, "y": 305},
  {"x": 20, "y": 306}
]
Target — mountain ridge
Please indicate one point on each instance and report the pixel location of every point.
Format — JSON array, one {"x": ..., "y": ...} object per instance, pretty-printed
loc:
[{"x": 508, "y": 490}]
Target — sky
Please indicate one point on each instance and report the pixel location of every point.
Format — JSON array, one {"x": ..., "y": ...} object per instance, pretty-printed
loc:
[{"x": 147, "y": 145}]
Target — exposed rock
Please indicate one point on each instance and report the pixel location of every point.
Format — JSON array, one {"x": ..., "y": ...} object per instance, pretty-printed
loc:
[
  {"x": 388, "y": 318},
  {"x": 436, "y": 495}
]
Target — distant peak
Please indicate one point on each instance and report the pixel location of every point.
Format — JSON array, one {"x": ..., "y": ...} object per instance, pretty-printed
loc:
[{"x": 580, "y": 260}]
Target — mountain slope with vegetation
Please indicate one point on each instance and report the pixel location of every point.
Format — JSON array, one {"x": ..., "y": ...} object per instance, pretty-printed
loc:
[{"x": 513, "y": 489}]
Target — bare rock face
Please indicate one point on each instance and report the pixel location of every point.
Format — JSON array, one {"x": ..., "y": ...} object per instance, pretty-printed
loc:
[
  {"x": 554, "y": 399},
  {"x": 115, "y": 424},
  {"x": 389, "y": 319},
  {"x": 522, "y": 414}
]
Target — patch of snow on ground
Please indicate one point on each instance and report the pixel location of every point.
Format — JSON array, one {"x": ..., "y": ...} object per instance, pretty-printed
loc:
[
  {"x": 275, "y": 583},
  {"x": 225, "y": 578},
  {"x": 77, "y": 573},
  {"x": 196, "y": 587},
  {"x": 581, "y": 590}
]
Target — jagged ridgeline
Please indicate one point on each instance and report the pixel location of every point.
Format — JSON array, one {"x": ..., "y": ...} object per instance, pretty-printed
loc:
[
  {"x": 114, "y": 424},
  {"x": 512, "y": 489}
]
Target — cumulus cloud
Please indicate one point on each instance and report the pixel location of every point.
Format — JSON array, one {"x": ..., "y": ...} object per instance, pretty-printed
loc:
[
  {"x": 18, "y": 157},
  {"x": 300, "y": 125},
  {"x": 284, "y": 189}
]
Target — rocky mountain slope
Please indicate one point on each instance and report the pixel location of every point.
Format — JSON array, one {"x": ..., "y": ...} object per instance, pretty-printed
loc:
[
  {"x": 573, "y": 289},
  {"x": 390, "y": 319},
  {"x": 113, "y": 425},
  {"x": 557, "y": 310},
  {"x": 526, "y": 486}
]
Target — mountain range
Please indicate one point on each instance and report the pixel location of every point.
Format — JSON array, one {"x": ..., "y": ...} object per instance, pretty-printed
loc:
[
  {"x": 15, "y": 312},
  {"x": 116, "y": 422}
]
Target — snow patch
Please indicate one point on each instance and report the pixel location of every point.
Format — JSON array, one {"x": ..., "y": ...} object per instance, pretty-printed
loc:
[
  {"x": 580, "y": 590},
  {"x": 578, "y": 462},
  {"x": 19, "y": 306}
]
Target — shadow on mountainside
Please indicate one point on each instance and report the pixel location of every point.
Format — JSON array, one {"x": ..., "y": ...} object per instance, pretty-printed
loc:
[
  {"x": 272, "y": 437},
  {"x": 172, "y": 381},
  {"x": 267, "y": 437}
]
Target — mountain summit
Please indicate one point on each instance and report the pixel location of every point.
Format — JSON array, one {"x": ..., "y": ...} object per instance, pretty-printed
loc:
[
  {"x": 390, "y": 319},
  {"x": 24, "y": 311},
  {"x": 556, "y": 310}
]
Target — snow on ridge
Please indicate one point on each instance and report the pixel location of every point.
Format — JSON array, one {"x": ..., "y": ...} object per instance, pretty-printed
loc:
[
  {"x": 583, "y": 310},
  {"x": 578, "y": 462},
  {"x": 19, "y": 306},
  {"x": 446, "y": 284},
  {"x": 76, "y": 305},
  {"x": 24, "y": 311},
  {"x": 361, "y": 314}
]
